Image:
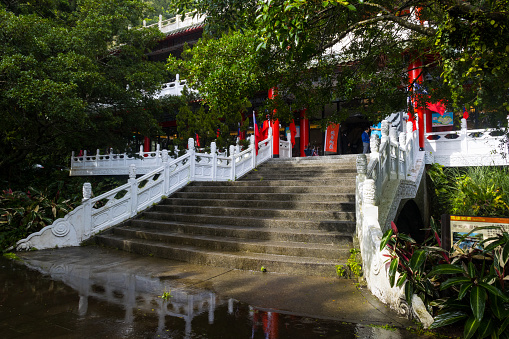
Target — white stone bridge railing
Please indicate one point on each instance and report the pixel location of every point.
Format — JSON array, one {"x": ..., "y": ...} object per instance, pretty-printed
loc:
[
  {"x": 479, "y": 147},
  {"x": 394, "y": 173},
  {"x": 97, "y": 214},
  {"x": 146, "y": 162}
]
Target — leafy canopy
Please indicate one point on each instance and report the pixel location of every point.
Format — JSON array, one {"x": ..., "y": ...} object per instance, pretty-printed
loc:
[
  {"x": 363, "y": 48},
  {"x": 72, "y": 75}
]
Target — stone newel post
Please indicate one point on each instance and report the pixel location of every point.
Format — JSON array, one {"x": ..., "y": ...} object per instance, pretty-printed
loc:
[
  {"x": 134, "y": 189},
  {"x": 192, "y": 158},
  {"x": 213, "y": 152},
  {"x": 87, "y": 210}
]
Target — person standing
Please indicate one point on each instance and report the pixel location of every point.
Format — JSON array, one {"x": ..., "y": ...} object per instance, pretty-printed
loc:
[{"x": 365, "y": 140}]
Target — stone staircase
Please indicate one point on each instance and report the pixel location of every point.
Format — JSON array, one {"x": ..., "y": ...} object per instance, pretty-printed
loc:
[{"x": 290, "y": 216}]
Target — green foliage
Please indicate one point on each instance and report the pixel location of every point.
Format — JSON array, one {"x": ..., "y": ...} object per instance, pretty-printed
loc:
[
  {"x": 411, "y": 261},
  {"x": 226, "y": 72},
  {"x": 24, "y": 213},
  {"x": 73, "y": 75},
  {"x": 477, "y": 191},
  {"x": 464, "y": 44},
  {"x": 27, "y": 210},
  {"x": 353, "y": 265},
  {"x": 166, "y": 295},
  {"x": 468, "y": 286}
]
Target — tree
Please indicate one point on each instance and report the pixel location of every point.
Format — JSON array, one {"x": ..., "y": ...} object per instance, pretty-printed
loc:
[
  {"x": 73, "y": 74},
  {"x": 225, "y": 72},
  {"x": 371, "y": 43}
]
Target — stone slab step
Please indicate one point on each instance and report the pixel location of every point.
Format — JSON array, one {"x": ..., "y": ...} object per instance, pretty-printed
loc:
[
  {"x": 243, "y": 261},
  {"x": 325, "y": 225},
  {"x": 249, "y": 211},
  {"x": 299, "y": 205},
  {"x": 323, "y": 160},
  {"x": 328, "y": 251},
  {"x": 338, "y": 238},
  {"x": 290, "y": 197},
  {"x": 264, "y": 181},
  {"x": 271, "y": 189}
]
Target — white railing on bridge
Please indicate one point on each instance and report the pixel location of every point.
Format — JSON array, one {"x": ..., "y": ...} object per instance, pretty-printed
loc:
[
  {"x": 285, "y": 147},
  {"x": 146, "y": 162},
  {"x": 172, "y": 24},
  {"x": 394, "y": 173},
  {"x": 172, "y": 88},
  {"x": 97, "y": 214},
  {"x": 479, "y": 147}
]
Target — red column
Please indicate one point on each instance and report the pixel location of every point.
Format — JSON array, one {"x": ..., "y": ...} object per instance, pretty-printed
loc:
[
  {"x": 415, "y": 76},
  {"x": 275, "y": 127},
  {"x": 242, "y": 134},
  {"x": 146, "y": 144},
  {"x": 429, "y": 121},
  {"x": 304, "y": 132}
]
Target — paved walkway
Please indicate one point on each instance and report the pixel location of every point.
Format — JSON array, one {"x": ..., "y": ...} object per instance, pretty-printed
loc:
[{"x": 315, "y": 297}]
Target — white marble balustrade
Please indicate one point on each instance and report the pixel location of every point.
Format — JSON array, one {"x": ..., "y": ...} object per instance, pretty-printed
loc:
[{"x": 97, "y": 214}]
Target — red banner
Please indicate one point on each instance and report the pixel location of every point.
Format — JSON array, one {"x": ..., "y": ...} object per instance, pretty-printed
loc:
[{"x": 331, "y": 138}]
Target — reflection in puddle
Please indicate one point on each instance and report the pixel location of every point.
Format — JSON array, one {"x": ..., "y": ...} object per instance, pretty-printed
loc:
[{"x": 38, "y": 299}]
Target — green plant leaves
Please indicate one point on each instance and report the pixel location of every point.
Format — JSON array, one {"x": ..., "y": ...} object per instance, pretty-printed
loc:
[
  {"x": 447, "y": 318},
  {"x": 393, "y": 270},
  {"x": 494, "y": 291},
  {"x": 486, "y": 327},
  {"x": 418, "y": 258},
  {"x": 455, "y": 281},
  {"x": 471, "y": 326},
  {"x": 446, "y": 269},
  {"x": 478, "y": 301},
  {"x": 385, "y": 239},
  {"x": 409, "y": 292}
]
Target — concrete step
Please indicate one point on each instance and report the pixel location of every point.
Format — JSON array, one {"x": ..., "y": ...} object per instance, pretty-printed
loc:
[
  {"x": 291, "y": 216},
  {"x": 236, "y": 260},
  {"x": 261, "y": 180},
  {"x": 244, "y": 232},
  {"x": 313, "y": 161},
  {"x": 270, "y": 222},
  {"x": 222, "y": 243},
  {"x": 272, "y": 189},
  {"x": 249, "y": 211},
  {"x": 297, "y": 205},
  {"x": 290, "y": 197}
]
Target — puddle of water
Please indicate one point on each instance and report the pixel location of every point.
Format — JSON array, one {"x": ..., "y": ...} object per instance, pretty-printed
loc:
[{"x": 77, "y": 301}]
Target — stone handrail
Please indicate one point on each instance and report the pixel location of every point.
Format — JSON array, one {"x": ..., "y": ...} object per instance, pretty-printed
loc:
[
  {"x": 146, "y": 162},
  {"x": 395, "y": 168},
  {"x": 97, "y": 214},
  {"x": 173, "y": 88},
  {"x": 389, "y": 158},
  {"x": 176, "y": 22},
  {"x": 479, "y": 147},
  {"x": 285, "y": 147}
]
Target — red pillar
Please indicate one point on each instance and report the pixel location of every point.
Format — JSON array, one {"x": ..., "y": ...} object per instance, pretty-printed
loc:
[
  {"x": 146, "y": 144},
  {"x": 275, "y": 127},
  {"x": 415, "y": 76},
  {"x": 304, "y": 132},
  {"x": 242, "y": 134},
  {"x": 429, "y": 121}
]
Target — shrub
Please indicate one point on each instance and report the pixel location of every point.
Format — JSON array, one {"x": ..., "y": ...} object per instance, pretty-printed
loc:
[
  {"x": 477, "y": 191},
  {"x": 471, "y": 285}
]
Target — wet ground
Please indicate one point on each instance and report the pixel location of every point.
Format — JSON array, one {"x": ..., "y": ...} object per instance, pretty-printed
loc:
[{"x": 90, "y": 292}]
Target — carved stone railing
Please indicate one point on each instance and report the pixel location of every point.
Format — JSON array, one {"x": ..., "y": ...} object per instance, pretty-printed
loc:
[
  {"x": 285, "y": 147},
  {"x": 172, "y": 88},
  {"x": 479, "y": 147},
  {"x": 176, "y": 22},
  {"x": 146, "y": 162},
  {"x": 97, "y": 214},
  {"x": 394, "y": 173}
]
